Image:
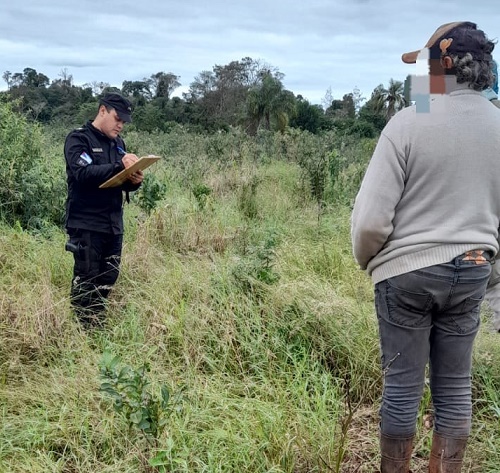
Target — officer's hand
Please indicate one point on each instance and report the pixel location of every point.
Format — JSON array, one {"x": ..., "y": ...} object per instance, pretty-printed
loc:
[
  {"x": 129, "y": 159},
  {"x": 136, "y": 178}
]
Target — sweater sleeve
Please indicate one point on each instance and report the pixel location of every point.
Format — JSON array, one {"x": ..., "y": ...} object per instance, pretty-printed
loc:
[{"x": 377, "y": 199}]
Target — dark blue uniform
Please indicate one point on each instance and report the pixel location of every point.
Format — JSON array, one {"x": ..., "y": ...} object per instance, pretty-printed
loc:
[{"x": 94, "y": 217}]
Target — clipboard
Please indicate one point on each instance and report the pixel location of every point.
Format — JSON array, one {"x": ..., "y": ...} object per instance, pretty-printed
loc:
[{"x": 121, "y": 177}]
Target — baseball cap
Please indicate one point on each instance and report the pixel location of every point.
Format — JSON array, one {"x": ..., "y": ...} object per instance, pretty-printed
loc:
[
  {"x": 121, "y": 105},
  {"x": 459, "y": 37}
]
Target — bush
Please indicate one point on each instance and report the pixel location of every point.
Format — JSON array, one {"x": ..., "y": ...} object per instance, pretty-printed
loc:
[
  {"x": 31, "y": 184},
  {"x": 151, "y": 192}
]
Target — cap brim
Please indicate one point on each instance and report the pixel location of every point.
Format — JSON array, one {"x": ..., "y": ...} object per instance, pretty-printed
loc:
[
  {"x": 124, "y": 116},
  {"x": 410, "y": 58}
]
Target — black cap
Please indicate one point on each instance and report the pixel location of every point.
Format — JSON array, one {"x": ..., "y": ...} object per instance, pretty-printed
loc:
[{"x": 121, "y": 105}]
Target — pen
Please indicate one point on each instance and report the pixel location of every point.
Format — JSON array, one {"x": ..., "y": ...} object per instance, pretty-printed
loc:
[{"x": 121, "y": 150}]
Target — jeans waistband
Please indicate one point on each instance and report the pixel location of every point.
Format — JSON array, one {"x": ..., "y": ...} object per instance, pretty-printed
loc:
[{"x": 476, "y": 256}]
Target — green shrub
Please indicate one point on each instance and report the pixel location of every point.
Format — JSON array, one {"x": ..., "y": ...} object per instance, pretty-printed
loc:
[
  {"x": 150, "y": 193},
  {"x": 201, "y": 193},
  {"x": 31, "y": 183},
  {"x": 132, "y": 398}
]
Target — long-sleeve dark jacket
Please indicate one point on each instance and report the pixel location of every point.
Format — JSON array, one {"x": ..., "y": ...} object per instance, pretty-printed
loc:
[{"x": 91, "y": 159}]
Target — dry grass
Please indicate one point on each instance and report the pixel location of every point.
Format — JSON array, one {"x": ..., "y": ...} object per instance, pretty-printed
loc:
[{"x": 267, "y": 347}]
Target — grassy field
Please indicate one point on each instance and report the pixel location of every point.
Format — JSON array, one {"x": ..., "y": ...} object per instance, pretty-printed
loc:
[{"x": 239, "y": 295}]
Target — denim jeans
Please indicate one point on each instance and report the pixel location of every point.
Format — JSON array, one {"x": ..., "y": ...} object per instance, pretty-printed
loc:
[{"x": 430, "y": 315}]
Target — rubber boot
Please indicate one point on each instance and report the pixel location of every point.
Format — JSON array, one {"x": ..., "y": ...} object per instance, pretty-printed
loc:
[
  {"x": 396, "y": 454},
  {"x": 447, "y": 454}
]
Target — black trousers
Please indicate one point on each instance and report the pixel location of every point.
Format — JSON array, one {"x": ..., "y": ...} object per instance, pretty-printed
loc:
[{"x": 97, "y": 265}]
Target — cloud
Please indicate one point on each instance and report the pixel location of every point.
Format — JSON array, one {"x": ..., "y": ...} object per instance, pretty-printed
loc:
[{"x": 316, "y": 44}]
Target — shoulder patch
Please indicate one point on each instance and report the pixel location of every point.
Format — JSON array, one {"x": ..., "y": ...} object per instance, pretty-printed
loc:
[{"x": 84, "y": 160}]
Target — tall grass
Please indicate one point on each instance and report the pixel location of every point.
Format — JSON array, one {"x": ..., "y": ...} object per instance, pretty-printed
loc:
[{"x": 249, "y": 306}]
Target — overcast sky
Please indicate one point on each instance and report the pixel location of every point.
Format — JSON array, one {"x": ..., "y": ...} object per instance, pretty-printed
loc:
[{"x": 317, "y": 44}]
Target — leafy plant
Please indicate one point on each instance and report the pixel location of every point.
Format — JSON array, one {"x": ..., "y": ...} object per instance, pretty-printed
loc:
[
  {"x": 313, "y": 158},
  {"x": 31, "y": 183},
  {"x": 151, "y": 192},
  {"x": 201, "y": 193},
  {"x": 216, "y": 147},
  {"x": 129, "y": 388}
]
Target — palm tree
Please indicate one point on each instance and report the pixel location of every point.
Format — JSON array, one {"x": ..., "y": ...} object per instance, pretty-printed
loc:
[
  {"x": 269, "y": 100},
  {"x": 390, "y": 100}
]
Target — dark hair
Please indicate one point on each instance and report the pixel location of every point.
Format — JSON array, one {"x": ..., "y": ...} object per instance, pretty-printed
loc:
[{"x": 477, "y": 73}]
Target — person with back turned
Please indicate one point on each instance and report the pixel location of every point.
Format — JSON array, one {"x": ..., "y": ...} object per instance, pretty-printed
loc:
[
  {"x": 425, "y": 228},
  {"x": 493, "y": 289},
  {"x": 94, "y": 217}
]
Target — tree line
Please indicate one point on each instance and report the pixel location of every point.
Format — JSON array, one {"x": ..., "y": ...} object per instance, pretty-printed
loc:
[{"x": 247, "y": 93}]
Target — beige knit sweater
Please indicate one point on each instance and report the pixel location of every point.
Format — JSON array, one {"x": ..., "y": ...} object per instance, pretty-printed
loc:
[{"x": 432, "y": 188}]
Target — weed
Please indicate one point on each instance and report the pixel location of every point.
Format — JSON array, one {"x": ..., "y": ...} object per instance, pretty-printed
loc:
[
  {"x": 247, "y": 198},
  {"x": 257, "y": 267},
  {"x": 151, "y": 192},
  {"x": 129, "y": 389},
  {"x": 201, "y": 193}
]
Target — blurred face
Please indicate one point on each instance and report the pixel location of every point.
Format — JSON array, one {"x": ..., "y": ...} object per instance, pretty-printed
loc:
[
  {"x": 108, "y": 123},
  {"x": 437, "y": 72},
  {"x": 433, "y": 72}
]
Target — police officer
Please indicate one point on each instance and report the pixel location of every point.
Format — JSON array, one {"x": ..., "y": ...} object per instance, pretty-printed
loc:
[{"x": 94, "y": 216}]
